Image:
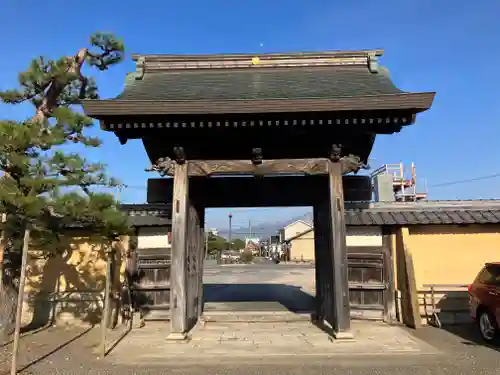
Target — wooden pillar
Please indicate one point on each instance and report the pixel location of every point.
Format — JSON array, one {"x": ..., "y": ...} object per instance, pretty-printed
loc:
[
  {"x": 390, "y": 291},
  {"x": 406, "y": 273},
  {"x": 332, "y": 287},
  {"x": 201, "y": 258},
  {"x": 321, "y": 260},
  {"x": 337, "y": 232},
  {"x": 192, "y": 267},
  {"x": 178, "y": 275}
]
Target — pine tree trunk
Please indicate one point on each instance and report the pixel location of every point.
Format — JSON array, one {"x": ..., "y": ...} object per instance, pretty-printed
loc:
[
  {"x": 7, "y": 309},
  {"x": 3, "y": 335},
  {"x": 9, "y": 270},
  {"x": 2, "y": 249}
]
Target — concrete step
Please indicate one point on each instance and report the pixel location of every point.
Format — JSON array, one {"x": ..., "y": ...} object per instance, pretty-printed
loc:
[
  {"x": 255, "y": 316},
  {"x": 157, "y": 315}
]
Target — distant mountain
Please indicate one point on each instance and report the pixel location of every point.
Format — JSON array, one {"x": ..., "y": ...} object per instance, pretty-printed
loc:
[{"x": 264, "y": 230}]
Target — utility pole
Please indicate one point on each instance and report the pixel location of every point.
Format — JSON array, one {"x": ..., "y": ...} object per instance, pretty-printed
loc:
[
  {"x": 119, "y": 192},
  {"x": 206, "y": 242},
  {"x": 230, "y": 229},
  {"x": 249, "y": 228}
]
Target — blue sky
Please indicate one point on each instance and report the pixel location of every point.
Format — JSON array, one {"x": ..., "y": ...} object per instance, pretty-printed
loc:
[{"x": 451, "y": 47}]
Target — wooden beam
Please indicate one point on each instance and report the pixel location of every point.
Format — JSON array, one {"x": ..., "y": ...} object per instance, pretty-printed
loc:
[
  {"x": 178, "y": 279},
  {"x": 337, "y": 231},
  {"x": 256, "y": 166},
  {"x": 278, "y": 191},
  {"x": 237, "y": 144}
]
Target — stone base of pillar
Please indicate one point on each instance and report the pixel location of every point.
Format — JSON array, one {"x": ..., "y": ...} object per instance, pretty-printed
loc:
[
  {"x": 178, "y": 337},
  {"x": 138, "y": 320},
  {"x": 343, "y": 335}
]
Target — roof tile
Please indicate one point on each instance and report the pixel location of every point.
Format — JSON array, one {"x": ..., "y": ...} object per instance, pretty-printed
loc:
[
  {"x": 259, "y": 84},
  {"x": 154, "y": 215}
]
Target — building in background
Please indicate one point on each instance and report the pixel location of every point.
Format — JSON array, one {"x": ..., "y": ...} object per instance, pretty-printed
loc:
[
  {"x": 253, "y": 240},
  {"x": 394, "y": 182}
]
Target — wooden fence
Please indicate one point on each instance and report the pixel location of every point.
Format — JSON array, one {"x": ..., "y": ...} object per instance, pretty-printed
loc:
[{"x": 444, "y": 304}]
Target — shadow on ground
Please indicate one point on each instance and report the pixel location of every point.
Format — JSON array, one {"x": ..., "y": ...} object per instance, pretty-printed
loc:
[
  {"x": 469, "y": 335},
  {"x": 37, "y": 346},
  {"x": 59, "y": 347},
  {"x": 27, "y": 330},
  {"x": 257, "y": 297}
]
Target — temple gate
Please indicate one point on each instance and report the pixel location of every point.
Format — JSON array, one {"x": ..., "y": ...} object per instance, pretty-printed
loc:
[{"x": 289, "y": 125}]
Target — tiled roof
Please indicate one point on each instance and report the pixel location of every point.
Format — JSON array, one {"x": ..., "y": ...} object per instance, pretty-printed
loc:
[
  {"x": 267, "y": 76},
  {"x": 421, "y": 213},
  {"x": 368, "y": 214},
  {"x": 223, "y": 84},
  {"x": 255, "y": 84},
  {"x": 149, "y": 221},
  {"x": 408, "y": 217},
  {"x": 148, "y": 215}
]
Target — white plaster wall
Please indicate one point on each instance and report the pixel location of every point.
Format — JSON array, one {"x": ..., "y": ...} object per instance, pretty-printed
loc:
[
  {"x": 364, "y": 236},
  {"x": 153, "y": 238}
]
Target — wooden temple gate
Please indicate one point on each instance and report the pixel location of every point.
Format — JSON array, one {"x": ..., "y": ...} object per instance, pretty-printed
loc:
[{"x": 294, "y": 123}]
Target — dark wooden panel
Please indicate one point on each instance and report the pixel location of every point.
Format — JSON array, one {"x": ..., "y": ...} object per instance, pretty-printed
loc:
[
  {"x": 367, "y": 279},
  {"x": 324, "y": 265},
  {"x": 277, "y": 191},
  {"x": 193, "y": 270},
  {"x": 152, "y": 291},
  {"x": 229, "y": 143},
  {"x": 357, "y": 188}
]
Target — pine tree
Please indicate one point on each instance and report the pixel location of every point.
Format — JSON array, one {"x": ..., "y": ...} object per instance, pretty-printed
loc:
[{"x": 44, "y": 188}]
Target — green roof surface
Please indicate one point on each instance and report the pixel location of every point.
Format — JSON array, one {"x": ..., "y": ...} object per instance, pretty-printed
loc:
[{"x": 262, "y": 83}]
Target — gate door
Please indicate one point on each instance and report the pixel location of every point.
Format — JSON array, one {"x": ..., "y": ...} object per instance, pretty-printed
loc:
[
  {"x": 152, "y": 290},
  {"x": 367, "y": 283}
]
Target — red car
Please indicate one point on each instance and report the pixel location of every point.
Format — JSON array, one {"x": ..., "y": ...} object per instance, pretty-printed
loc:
[{"x": 484, "y": 299}]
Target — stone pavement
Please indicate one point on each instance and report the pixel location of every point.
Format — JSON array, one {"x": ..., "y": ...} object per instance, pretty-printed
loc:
[
  {"x": 70, "y": 350},
  {"x": 232, "y": 341},
  {"x": 259, "y": 288}
]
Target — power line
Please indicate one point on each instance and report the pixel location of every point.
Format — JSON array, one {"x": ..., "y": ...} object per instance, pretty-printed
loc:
[
  {"x": 487, "y": 177},
  {"x": 449, "y": 183},
  {"x": 135, "y": 187}
]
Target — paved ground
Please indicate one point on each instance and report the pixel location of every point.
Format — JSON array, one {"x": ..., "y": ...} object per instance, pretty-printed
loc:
[
  {"x": 224, "y": 348},
  {"x": 461, "y": 353},
  {"x": 259, "y": 287},
  {"x": 232, "y": 341}
]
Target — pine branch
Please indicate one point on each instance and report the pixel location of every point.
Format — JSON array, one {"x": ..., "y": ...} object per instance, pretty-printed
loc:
[
  {"x": 39, "y": 182},
  {"x": 52, "y": 83}
]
